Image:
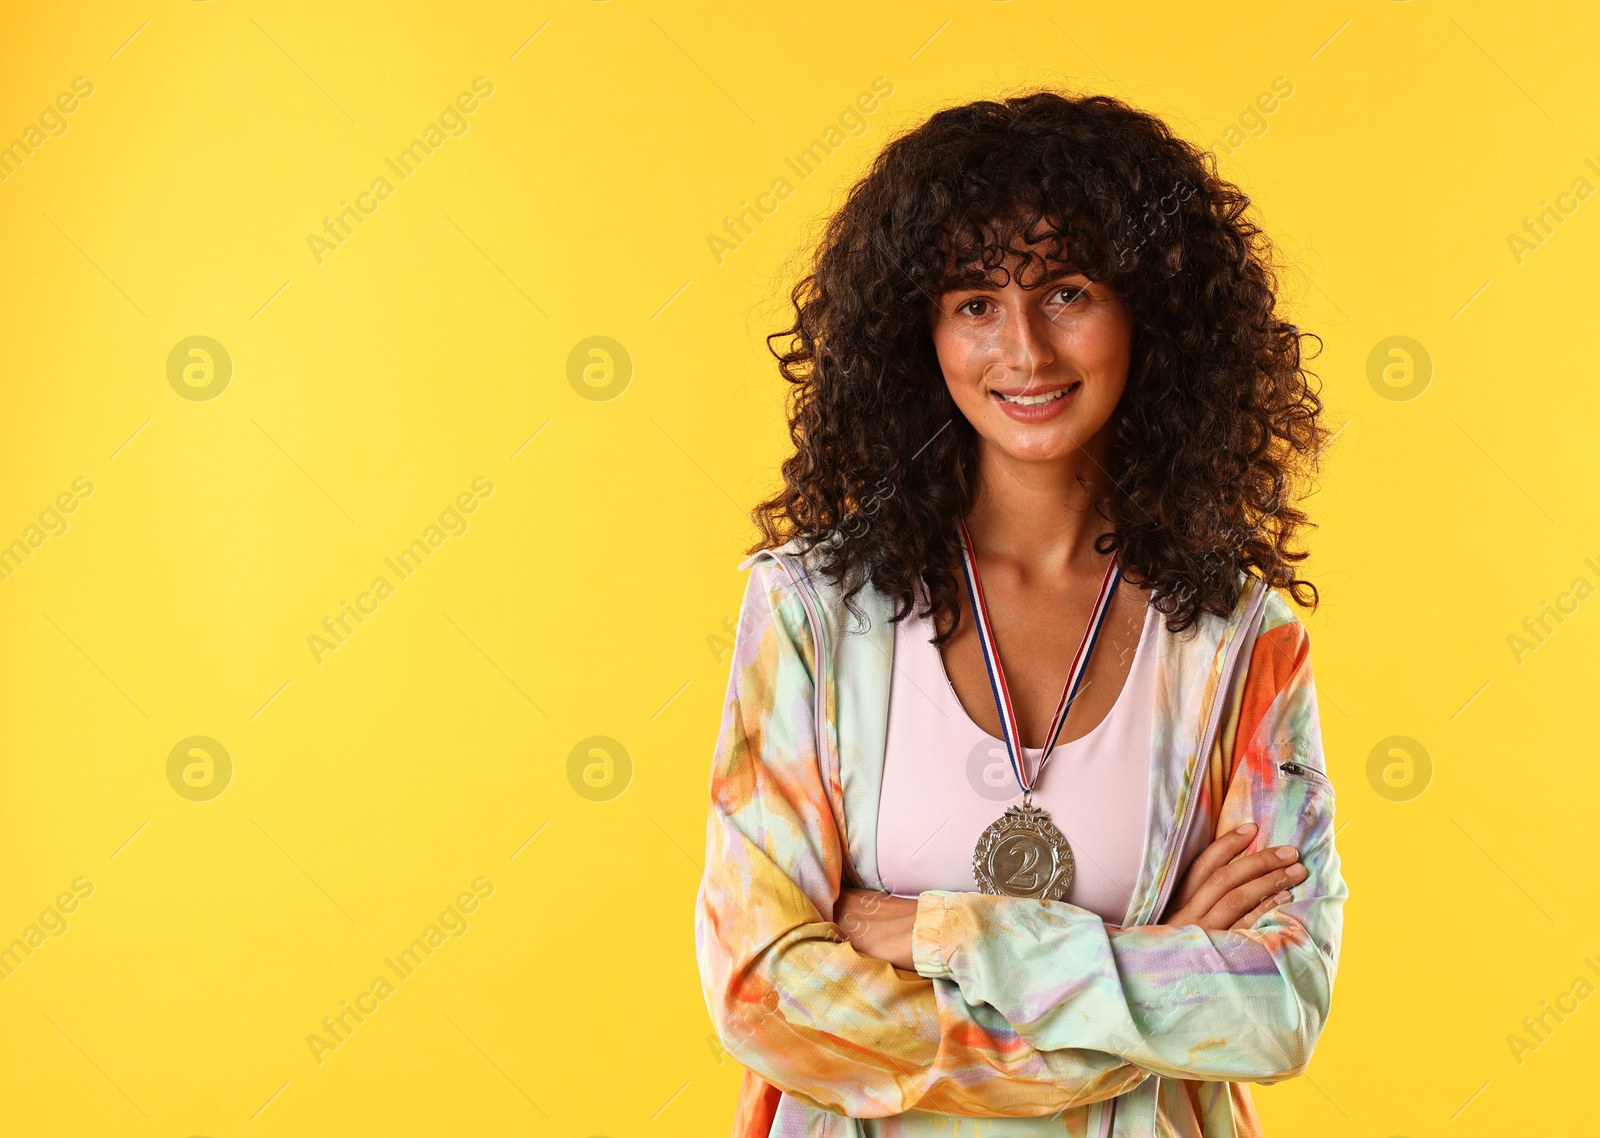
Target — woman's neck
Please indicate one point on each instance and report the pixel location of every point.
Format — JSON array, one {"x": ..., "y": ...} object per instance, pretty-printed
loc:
[{"x": 1040, "y": 516}]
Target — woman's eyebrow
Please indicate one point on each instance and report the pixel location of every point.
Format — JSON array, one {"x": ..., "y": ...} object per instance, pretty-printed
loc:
[
  {"x": 1055, "y": 271},
  {"x": 1060, "y": 272},
  {"x": 974, "y": 278}
]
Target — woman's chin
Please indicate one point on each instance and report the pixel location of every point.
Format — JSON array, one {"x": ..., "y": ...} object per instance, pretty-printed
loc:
[{"x": 1047, "y": 442}]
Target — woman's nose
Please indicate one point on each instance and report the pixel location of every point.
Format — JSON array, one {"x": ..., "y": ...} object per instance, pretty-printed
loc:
[{"x": 1029, "y": 349}]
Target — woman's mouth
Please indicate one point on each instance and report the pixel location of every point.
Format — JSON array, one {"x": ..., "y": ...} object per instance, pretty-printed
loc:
[{"x": 1035, "y": 406}]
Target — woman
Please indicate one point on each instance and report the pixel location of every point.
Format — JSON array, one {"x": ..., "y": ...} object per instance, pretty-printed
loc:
[{"x": 1019, "y": 810}]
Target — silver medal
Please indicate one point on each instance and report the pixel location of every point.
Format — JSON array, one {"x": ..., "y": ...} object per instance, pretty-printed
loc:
[{"x": 1022, "y": 854}]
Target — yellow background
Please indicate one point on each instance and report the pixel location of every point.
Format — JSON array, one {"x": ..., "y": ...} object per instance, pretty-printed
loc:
[{"x": 586, "y": 597}]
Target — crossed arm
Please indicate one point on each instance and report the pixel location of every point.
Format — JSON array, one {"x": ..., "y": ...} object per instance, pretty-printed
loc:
[{"x": 1221, "y": 890}]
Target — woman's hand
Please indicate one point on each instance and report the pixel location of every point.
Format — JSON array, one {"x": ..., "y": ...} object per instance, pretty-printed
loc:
[
  {"x": 878, "y": 924},
  {"x": 1225, "y": 891}
]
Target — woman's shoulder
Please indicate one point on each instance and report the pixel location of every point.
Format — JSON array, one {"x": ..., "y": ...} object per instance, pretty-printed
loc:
[
  {"x": 1281, "y": 647},
  {"x": 1256, "y": 604},
  {"x": 1276, "y": 622},
  {"x": 786, "y": 572},
  {"x": 807, "y": 555},
  {"x": 795, "y": 565},
  {"x": 798, "y": 578}
]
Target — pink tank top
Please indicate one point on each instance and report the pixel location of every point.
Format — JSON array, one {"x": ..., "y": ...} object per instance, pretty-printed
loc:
[{"x": 945, "y": 779}]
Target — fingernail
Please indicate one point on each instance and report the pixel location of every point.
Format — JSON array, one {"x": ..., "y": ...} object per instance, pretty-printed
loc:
[
  {"x": 1295, "y": 872},
  {"x": 1247, "y": 829},
  {"x": 1282, "y": 898},
  {"x": 1286, "y": 853}
]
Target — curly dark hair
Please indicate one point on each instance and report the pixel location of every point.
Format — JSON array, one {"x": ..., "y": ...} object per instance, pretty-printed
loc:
[{"x": 1217, "y": 431}]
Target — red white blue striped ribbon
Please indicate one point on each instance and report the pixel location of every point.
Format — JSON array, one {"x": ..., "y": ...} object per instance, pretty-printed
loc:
[{"x": 997, "y": 676}]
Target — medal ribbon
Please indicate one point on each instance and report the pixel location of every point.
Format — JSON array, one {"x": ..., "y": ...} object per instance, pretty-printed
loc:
[{"x": 997, "y": 675}]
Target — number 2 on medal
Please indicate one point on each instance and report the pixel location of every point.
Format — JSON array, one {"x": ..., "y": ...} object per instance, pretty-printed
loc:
[{"x": 1025, "y": 878}]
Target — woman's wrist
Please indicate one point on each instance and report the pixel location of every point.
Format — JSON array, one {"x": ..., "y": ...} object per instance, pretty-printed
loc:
[{"x": 879, "y": 925}]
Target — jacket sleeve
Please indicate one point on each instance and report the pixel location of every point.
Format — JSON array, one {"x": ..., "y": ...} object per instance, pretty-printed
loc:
[
  {"x": 790, "y": 997},
  {"x": 1180, "y": 1001}
]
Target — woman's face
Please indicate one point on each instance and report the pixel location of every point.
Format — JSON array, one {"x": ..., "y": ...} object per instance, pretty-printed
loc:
[{"x": 1037, "y": 371}]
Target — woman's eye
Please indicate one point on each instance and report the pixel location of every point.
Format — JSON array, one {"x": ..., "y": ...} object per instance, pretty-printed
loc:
[
  {"x": 977, "y": 306},
  {"x": 1070, "y": 294}
]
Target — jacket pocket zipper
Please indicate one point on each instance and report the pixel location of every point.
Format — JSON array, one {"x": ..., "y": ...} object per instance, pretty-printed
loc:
[{"x": 1300, "y": 770}]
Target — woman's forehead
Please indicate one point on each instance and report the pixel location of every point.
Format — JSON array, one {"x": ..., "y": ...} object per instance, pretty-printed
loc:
[
  {"x": 1036, "y": 249},
  {"x": 1031, "y": 268}
]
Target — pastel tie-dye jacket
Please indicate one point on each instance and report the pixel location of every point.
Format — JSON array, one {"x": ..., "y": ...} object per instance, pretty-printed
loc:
[{"x": 1018, "y": 1008}]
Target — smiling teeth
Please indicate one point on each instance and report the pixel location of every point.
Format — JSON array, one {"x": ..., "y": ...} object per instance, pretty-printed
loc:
[{"x": 1032, "y": 400}]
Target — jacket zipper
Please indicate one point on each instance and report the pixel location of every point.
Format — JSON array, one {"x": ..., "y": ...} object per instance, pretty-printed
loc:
[
  {"x": 1310, "y": 774},
  {"x": 807, "y": 595},
  {"x": 813, "y": 606},
  {"x": 1191, "y": 808}
]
